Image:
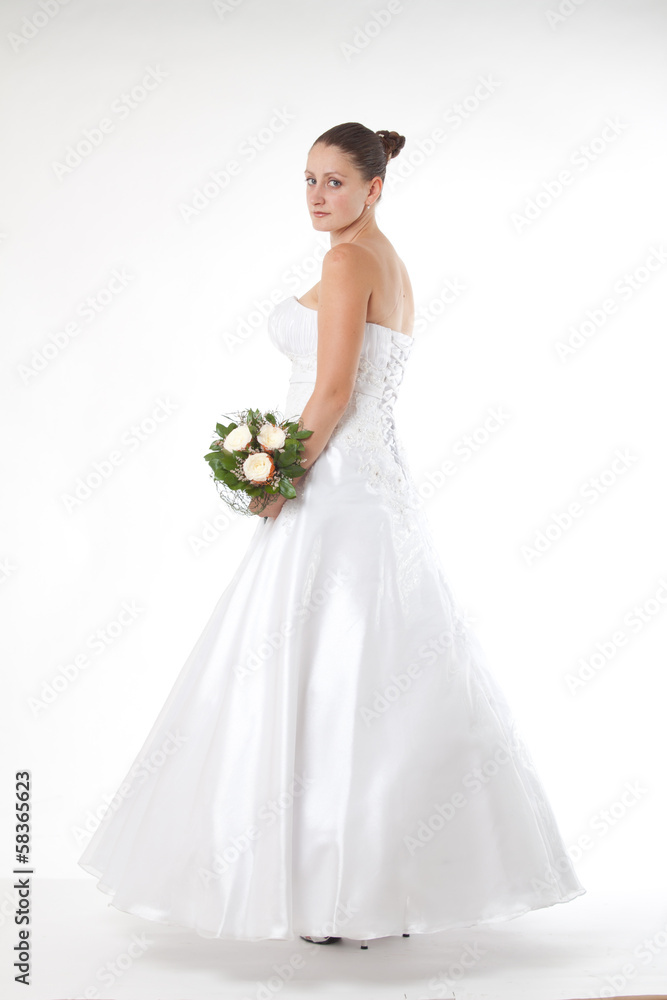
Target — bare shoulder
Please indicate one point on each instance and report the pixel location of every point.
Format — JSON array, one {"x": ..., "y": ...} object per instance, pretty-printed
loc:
[
  {"x": 348, "y": 265},
  {"x": 350, "y": 256},
  {"x": 371, "y": 279}
]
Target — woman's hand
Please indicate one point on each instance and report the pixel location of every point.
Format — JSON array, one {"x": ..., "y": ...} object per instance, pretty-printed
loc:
[{"x": 273, "y": 506}]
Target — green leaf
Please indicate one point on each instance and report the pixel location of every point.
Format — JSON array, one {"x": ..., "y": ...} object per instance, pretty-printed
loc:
[
  {"x": 227, "y": 460},
  {"x": 228, "y": 478},
  {"x": 285, "y": 458},
  {"x": 221, "y": 460},
  {"x": 287, "y": 489}
]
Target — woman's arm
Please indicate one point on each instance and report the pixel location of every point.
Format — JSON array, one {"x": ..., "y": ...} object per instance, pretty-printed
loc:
[
  {"x": 345, "y": 288},
  {"x": 344, "y": 292}
]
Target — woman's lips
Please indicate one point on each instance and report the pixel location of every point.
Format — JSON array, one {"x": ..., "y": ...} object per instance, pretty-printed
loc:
[{"x": 320, "y": 213}]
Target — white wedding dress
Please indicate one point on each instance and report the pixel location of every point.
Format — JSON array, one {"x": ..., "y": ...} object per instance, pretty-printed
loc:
[{"x": 335, "y": 757}]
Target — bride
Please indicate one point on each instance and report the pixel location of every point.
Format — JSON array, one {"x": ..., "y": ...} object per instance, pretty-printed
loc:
[
  {"x": 335, "y": 759},
  {"x": 363, "y": 278}
]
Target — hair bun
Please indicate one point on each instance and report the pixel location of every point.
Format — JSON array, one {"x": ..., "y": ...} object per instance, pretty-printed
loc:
[{"x": 392, "y": 142}]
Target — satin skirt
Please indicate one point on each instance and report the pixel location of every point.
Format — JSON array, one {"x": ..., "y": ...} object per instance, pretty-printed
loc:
[{"x": 335, "y": 756}]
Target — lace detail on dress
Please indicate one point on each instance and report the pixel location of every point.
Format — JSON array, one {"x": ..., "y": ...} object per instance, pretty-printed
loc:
[
  {"x": 363, "y": 432},
  {"x": 303, "y": 364},
  {"x": 367, "y": 432},
  {"x": 369, "y": 374}
]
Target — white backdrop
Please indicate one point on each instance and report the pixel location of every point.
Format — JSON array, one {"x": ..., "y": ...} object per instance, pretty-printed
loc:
[{"x": 154, "y": 206}]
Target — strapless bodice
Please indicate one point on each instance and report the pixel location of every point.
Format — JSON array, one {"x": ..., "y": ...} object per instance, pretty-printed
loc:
[
  {"x": 292, "y": 329},
  {"x": 364, "y": 446}
]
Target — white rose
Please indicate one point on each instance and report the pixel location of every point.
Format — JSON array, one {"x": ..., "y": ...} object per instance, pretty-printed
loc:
[
  {"x": 258, "y": 467},
  {"x": 238, "y": 439},
  {"x": 271, "y": 437}
]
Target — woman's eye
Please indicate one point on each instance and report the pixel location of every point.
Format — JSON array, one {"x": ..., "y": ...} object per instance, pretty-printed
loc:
[{"x": 334, "y": 179}]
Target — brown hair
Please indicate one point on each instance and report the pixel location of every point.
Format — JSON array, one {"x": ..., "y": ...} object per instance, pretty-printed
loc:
[{"x": 369, "y": 151}]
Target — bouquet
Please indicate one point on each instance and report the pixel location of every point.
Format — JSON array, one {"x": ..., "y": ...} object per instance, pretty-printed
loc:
[{"x": 256, "y": 455}]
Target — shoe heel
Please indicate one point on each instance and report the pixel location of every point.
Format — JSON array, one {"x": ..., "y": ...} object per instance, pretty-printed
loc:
[{"x": 364, "y": 944}]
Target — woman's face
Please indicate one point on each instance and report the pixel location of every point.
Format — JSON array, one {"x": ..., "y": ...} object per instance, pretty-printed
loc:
[{"x": 336, "y": 194}]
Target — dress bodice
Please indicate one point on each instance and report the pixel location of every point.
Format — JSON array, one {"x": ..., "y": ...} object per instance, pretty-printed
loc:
[
  {"x": 366, "y": 433},
  {"x": 292, "y": 329}
]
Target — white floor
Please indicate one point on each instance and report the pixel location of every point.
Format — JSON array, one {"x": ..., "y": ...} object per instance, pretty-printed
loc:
[{"x": 594, "y": 946}]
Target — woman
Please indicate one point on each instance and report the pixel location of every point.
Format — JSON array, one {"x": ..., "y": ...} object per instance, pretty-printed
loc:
[{"x": 335, "y": 758}]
